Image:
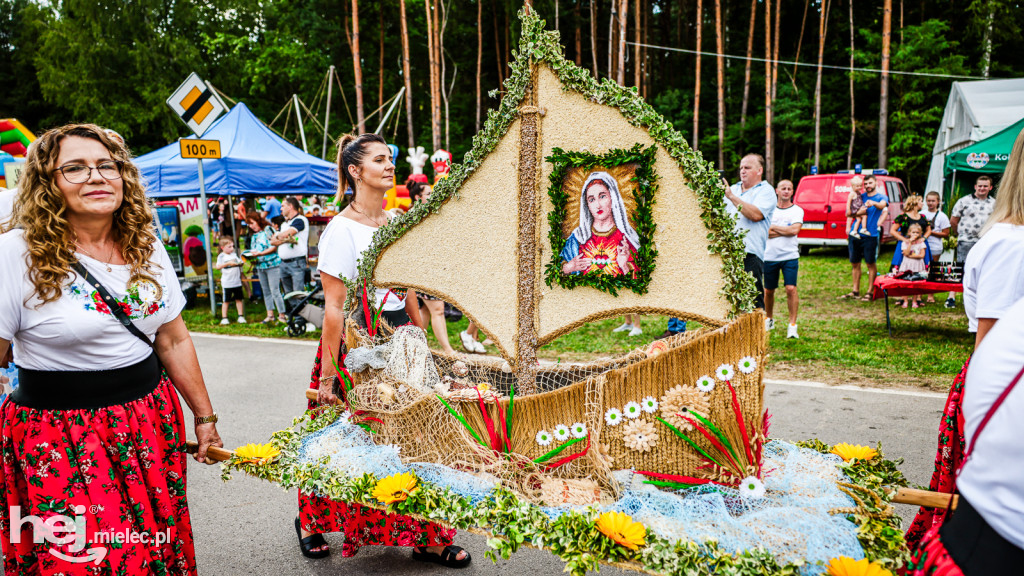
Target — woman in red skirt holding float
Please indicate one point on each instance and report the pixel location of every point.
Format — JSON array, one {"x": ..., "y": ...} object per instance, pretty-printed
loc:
[
  {"x": 993, "y": 282},
  {"x": 93, "y": 472},
  {"x": 365, "y": 168}
]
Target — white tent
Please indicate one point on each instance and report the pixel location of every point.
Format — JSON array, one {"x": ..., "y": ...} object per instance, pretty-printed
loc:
[{"x": 974, "y": 111}]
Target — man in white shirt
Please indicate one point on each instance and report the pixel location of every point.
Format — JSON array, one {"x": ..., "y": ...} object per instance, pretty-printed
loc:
[
  {"x": 292, "y": 245},
  {"x": 782, "y": 254},
  {"x": 752, "y": 202}
]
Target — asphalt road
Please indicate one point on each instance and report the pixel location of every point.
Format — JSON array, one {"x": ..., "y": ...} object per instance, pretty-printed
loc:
[{"x": 245, "y": 526}]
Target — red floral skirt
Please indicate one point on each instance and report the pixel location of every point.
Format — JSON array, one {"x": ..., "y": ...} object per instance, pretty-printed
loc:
[
  {"x": 103, "y": 491},
  {"x": 947, "y": 460},
  {"x": 362, "y": 526},
  {"x": 931, "y": 558}
]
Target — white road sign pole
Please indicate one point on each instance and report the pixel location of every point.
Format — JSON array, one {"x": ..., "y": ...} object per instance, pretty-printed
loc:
[{"x": 203, "y": 207}]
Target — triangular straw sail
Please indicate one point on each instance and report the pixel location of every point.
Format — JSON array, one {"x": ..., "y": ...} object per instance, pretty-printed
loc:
[{"x": 488, "y": 240}]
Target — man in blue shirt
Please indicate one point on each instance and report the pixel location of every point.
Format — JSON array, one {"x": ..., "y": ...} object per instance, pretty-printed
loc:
[
  {"x": 272, "y": 210},
  {"x": 865, "y": 247}
]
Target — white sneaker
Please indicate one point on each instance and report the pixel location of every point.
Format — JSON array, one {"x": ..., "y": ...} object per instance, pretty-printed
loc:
[
  {"x": 224, "y": 321},
  {"x": 791, "y": 332},
  {"x": 769, "y": 323},
  {"x": 478, "y": 347},
  {"x": 624, "y": 327},
  {"x": 241, "y": 320},
  {"x": 636, "y": 331},
  {"x": 467, "y": 342}
]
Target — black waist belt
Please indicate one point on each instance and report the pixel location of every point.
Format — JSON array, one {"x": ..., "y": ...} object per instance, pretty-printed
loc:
[
  {"x": 975, "y": 546},
  {"x": 293, "y": 259},
  {"x": 86, "y": 390}
]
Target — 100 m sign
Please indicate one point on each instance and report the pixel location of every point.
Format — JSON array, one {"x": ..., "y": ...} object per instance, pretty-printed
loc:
[{"x": 199, "y": 148}]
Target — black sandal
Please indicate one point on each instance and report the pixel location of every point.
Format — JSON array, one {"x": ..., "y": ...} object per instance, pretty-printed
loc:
[
  {"x": 307, "y": 544},
  {"x": 448, "y": 557}
]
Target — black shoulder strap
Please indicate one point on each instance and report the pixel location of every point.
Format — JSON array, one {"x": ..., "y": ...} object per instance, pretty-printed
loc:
[{"x": 112, "y": 304}]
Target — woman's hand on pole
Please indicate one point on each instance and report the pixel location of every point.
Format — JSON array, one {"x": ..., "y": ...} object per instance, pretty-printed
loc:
[{"x": 206, "y": 436}]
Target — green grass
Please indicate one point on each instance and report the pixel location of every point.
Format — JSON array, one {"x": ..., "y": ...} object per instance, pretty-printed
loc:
[{"x": 840, "y": 341}]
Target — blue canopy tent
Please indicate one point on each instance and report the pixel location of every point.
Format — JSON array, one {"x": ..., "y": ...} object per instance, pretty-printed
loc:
[{"x": 254, "y": 161}]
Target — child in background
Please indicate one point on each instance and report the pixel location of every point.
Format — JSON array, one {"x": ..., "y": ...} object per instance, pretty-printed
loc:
[
  {"x": 853, "y": 223},
  {"x": 230, "y": 266},
  {"x": 631, "y": 323},
  {"x": 913, "y": 256}
]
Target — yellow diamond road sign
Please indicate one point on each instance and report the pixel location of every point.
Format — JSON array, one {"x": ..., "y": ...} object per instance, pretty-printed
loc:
[{"x": 196, "y": 104}]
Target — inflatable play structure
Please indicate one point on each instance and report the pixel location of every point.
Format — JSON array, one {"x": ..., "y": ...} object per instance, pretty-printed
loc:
[
  {"x": 657, "y": 461},
  {"x": 14, "y": 142}
]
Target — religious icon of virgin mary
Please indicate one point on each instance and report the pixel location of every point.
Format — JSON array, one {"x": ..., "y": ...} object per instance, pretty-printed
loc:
[{"x": 604, "y": 242}]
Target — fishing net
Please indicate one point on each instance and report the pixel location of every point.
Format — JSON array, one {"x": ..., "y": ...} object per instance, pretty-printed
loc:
[{"x": 792, "y": 520}]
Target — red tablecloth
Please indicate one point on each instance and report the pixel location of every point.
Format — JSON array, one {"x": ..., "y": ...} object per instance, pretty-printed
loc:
[{"x": 897, "y": 287}]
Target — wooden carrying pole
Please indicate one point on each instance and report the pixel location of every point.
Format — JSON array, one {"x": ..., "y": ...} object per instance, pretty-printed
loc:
[{"x": 213, "y": 453}]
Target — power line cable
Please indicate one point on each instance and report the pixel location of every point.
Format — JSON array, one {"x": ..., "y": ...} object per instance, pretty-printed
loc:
[{"x": 811, "y": 64}]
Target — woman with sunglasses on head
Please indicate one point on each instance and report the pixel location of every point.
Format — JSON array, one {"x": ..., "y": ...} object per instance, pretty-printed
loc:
[
  {"x": 95, "y": 432},
  {"x": 364, "y": 167}
]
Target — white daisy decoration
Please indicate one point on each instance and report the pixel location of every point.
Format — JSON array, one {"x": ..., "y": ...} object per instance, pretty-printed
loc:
[
  {"x": 544, "y": 438},
  {"x": 705, "y": 384},
  {"x": 747, "y": 364},
  {"x": 752, "y": 488},
  {"x": 578, "y": 430},
  {"x": 649, "y": 405},
  {"x": 725, "y": 372},
  {"x": 613, "y": 416},
  {"x": 561, "y": 432},
  {"x": 631, "y": 410}
]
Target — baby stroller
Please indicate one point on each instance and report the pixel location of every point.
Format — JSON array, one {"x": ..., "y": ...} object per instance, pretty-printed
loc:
[{"x": 305, "y": 307}]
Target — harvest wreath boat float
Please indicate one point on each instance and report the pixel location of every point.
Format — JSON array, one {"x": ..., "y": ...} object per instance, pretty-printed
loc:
[{"x": 577, "y": 203}]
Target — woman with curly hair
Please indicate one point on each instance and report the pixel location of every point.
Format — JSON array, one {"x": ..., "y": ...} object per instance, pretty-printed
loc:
[{"x": 93, "y": 440}]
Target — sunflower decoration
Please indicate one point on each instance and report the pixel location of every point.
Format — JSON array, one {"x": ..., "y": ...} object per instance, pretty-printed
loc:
[
  {"x": 257, "y": 453},
  {"x": 683, "y": 399},
  {"x": 854, "y": 452},
  {"x": 639, "y": 435},
  {"x": 846, "y": 566},
  {"x": 395, "y": 488},
  {"x": 621, "y": 528}
]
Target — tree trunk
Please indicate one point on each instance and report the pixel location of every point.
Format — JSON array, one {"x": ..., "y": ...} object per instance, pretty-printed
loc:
[
  {"x": 986, "y": 41},
  {"x": 638, "y": 34},
  {"x": 497, "y": 46},
  {"x": 696, "y": 90},
  {"x": 800, "y": 42},
  {"x": 720, "y": 58},
  {"x": 853, "y": 121},
  {"x": 439, "y": 66},
  {"x": 611, "y": 39},
  {"x": 406, "y": 77},
  {"x": 445, "y": 91},
  {"x": 593, "y": 35},
  {"x": 557, "y": 29},
  {"x": 358, "y": 67},
  {"x": 578, "y": 32},
  {"x": 435, "y": 138},
  {"x": 775, "y": 53},
  {"x": 768, "y": 90},
  {"x": 623, "y": 22},
  {"x": 746, "y": 69},
  {"x": 883, "y": 107},
  {"x": 822, "y": 29},
  {"x": 646, "y": 78},
  {"x": 380, "y": 69},
  {"x": 479, "y": 58}
]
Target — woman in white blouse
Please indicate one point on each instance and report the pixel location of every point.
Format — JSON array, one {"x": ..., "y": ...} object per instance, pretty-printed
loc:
[{"x": 91, "y": 304}]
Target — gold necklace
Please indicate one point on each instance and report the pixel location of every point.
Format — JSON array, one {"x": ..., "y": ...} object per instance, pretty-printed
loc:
[
  {"x": 90, "y": 255},
  {"x": 367, "y": 216}
]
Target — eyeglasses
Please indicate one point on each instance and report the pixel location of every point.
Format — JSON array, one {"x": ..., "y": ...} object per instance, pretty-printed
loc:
[{"x": 80, "y": 173}]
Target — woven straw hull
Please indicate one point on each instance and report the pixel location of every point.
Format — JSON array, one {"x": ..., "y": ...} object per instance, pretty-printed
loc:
[{"x": 426, "y": 431}]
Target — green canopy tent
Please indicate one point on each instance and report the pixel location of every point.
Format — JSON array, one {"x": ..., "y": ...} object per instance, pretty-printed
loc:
[{"x": 986, "y": 156}]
